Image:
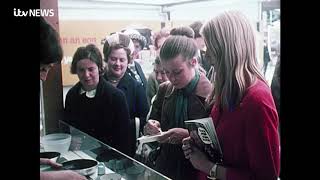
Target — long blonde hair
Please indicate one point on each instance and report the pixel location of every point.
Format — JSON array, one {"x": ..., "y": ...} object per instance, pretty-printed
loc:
[{"x": 231, "y": 48}]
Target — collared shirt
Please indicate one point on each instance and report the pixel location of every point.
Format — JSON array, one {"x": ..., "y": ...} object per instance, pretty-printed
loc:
[{"x": 89, "y": 94}]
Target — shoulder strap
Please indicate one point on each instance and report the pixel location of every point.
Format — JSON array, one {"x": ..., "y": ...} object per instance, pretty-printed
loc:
[
  {"x": 162, "y": 92},
  {"x": 156, "y": 109}
]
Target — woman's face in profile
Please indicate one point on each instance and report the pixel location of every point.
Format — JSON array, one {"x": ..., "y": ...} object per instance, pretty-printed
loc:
[
  {"x": 137, "y": 46},
  {"x": 160, "y": 73},
  {"x": 117, "y": 62},
  {"x": 210, "y": 58},
  {"x": 88, "y": 74},
  {"x": 137, "y": 49}
]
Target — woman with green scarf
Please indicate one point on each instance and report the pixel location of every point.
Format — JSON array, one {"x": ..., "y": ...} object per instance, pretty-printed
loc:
[{"x": 179, "y": 99}]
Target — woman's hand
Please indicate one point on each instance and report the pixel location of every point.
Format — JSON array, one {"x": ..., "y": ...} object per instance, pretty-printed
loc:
[
  {"x": 186, "y": 147},
  {"x": 61, "y": 175},
  {"x": 53, "y": 164},
  {"x": 174, "y": 136},
  {"x": 197, "y": 158},
  {"x": 152, "y": 127}
]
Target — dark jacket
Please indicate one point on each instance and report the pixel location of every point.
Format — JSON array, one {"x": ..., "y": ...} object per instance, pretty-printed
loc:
[
  {"x": 275, "y": 86},
  {"x": 152, "y": 87},
  {"x": 105, "y": 117},
  {"x": 140, "y": 73},
  {"x": 171, "y": 161},
  {"x": 204, "y": 62},
  {"x": 137, "y": 102}
]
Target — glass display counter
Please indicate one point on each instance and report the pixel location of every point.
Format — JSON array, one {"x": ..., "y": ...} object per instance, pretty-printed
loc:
[{"x": 112, "y": 163}]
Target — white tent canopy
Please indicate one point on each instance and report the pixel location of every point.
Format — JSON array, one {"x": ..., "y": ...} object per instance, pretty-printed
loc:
[
  {"x": 154, "y": 9},
  {"x": 84, "y": 21}
]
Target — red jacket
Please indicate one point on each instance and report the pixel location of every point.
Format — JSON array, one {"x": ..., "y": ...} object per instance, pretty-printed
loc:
[{"x": 249, "y": 136}]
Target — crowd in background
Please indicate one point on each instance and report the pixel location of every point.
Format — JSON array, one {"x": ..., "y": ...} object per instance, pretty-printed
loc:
[{"x": 201, "y": 70}]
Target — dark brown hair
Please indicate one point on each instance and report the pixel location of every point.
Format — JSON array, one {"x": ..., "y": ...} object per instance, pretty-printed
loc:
[
  {"x": 50, "y": 48},
  {"x": 196, "y": 26},
  {"x": 163, "y": 33},
  {"x": 174, "y": 46},
  {"x": 87, "y": 52},
  {"x": 183, "y": 31}
]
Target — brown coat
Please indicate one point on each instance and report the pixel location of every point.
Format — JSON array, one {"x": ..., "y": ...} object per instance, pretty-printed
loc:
[{"x": 171, "y": 161}]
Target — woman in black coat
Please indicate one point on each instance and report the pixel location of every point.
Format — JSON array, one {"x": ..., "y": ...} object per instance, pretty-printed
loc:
[
  {"x": 95, "y": 106},
  {"x": 117, "y": 52}
]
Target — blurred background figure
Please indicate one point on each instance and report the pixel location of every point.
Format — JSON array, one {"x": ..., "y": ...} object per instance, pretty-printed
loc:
[
  {"x": 159, "y": 38},
  {"x": 196, "y": 26},
  {"x": 273, "y": 47},
  {"x": 138, "y": 40},
  {"x": 134, "y": 67},
  {"x": 266, "y": 58},
  {"x": 275, "y": 83},
  {"x": 160, "y": 77}
]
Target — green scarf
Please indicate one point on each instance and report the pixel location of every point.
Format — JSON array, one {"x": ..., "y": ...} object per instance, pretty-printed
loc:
[{"x": 181, "y": 113}]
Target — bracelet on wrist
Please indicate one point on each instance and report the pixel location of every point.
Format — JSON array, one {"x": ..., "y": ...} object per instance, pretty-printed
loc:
[{"x": 213, "y": 172}]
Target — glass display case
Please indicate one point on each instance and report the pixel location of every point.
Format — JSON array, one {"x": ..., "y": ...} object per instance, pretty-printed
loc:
[{"x": 112, "y": 164}]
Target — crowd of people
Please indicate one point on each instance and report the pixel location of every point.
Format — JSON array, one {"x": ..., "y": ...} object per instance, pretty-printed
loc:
[{"x": 203, "y": 70}]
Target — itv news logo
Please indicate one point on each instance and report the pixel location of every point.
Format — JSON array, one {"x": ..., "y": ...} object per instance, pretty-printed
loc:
[{"x": 33, "y": 12}]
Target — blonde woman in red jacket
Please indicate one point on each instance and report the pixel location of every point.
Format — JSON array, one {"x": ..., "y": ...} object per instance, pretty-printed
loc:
[{"x": 244, "y": 113}]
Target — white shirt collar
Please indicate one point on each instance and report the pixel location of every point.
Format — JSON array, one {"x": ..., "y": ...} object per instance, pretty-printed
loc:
[
  {"x": 132, "y": 64},
  {"x": 89, "y": 94}
]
